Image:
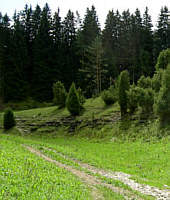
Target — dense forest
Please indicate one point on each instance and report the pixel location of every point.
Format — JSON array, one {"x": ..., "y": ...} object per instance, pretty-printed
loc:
[{"x": 38, "y": 49}]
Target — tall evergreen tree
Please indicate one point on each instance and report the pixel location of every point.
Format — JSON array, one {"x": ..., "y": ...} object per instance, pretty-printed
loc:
[
  {"x": 42, "y": 55},
  {"x": 70, "y": 60},
  {"x": 90, "y": 27},
  {"x": 146, "y": 56},
  {"x": 110, "y": 37},
  {"x": 162, "y": 34},
  {"x": 5, "y": 57},
  {"x": 93, "y": 68},
  {"x": 57, "y": 46}
]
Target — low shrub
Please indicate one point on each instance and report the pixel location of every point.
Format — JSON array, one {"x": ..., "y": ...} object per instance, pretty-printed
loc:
[
  {"x": 133, "y": 98},
  {"x": 9, "y": 119},
  {"x": 108, "y": 97},
  {"x": 60, "y": 94},
  {"x": 145, "y": 82},
  {"x": 146, "y": 101}
]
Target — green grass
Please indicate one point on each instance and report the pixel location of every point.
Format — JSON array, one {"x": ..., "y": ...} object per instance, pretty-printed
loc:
[
  {"x": 110, "y": 195},
  {"x": 129, "y": 147},
  {"x": 148, "y": 162},
  {"x": 25, "y": 176}
]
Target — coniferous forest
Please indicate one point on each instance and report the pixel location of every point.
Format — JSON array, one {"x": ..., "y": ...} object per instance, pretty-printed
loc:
[{"x": 38, "y": 48}]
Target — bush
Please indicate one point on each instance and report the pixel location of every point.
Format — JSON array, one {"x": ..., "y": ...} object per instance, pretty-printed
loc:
[
  {"x": 123, "y": 88},
  {"x": 145, "y": 82},
  {"x": 163, "y": 59},
  {"x": 60, "y": 94},
  {"x": 108, "y": 97},
  {"x": 133, "y": 98},
  {"x": 9, "y": 120},
  {"x": 114, "y": 89},
  {"x": 146, "y": 100},
  {"x": 81, "y": 97},
  {"x": 72, "y": 102},
  {"x": 163, "y": 103}
]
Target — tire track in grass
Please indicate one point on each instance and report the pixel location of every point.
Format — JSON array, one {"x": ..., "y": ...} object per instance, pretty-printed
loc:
[
  {"x": 123, "y": 177},
  {"x": 90, "y": 180}
]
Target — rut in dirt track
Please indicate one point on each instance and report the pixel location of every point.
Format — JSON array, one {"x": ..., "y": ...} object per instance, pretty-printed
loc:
[
  {"x": 90, "y": 180},
  {"x": 125, "y": 178}
]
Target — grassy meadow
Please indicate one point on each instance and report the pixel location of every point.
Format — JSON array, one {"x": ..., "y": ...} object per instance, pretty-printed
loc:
[{"x": 130, "y": 147}]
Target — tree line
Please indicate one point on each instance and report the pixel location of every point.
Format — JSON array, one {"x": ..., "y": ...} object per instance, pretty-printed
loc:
[{"x": 38, "y": 49}]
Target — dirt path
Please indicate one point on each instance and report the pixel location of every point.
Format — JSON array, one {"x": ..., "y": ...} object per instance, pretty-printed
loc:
[
  {"x": 125, "y": 178},
  {"x": 90, "y": 180}
]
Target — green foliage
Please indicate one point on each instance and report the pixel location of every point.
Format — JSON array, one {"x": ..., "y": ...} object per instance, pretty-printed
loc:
[
  {"x": 157, "y": 80},
  {"x": 146, "y": 95},
  {"x": 60, "y": 94},
  {"x": 133, "y": 98},
  {"x": 145, "y": 82},
  {"x": 81, "y": 97},
  {"x": 163, "y": 102},
  {"x": 146, "y": 100},
  {"x": 9, "y": 119},
  {"x": 123, "y": 88},
  {"x": 108, "y": 97},
  {"x": 163, "y": 59},
  {"x": 72, "y": 102}
]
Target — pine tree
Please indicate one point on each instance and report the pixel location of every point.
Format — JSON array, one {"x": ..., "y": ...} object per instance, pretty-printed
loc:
[
  {"x": 90, "y": 27},
  {"x": 70, "y": 60},
  {"x": 5, "y": 57},
  {"x": 93, "y": 67},
  {"x": 58, "y": 49},
  {"x": 72, "y": 102},
  {"x": 162, "y": 34},
  {"x": 110, "y": 37},
  {"x": 43, "y": 58},
  {"x": 146, "y": 55}
]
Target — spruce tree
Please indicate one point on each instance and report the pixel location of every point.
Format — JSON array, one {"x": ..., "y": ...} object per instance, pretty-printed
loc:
[
  {"x": 90, "y": 27},
  {"x": 146, "y": 53},
  {"x": 162, "y": 33},
  {"x": 70, "y": 61},
  {"x": 43, "y": 58},
  {"x": 93, "y": 67},
  {"x": 72, "y": 102},
  {"x": 110, "y": 36},
  {"x": 123, "y": 88}
]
